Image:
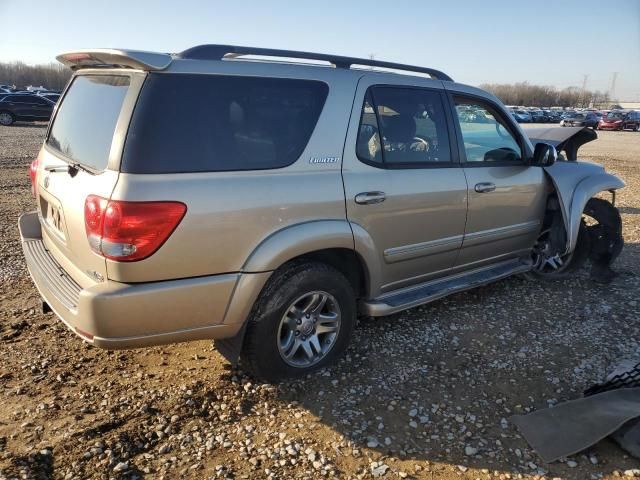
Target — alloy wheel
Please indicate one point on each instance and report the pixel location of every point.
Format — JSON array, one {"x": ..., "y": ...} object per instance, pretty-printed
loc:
[
  {"x": 309, "y": 329},
  {"x": 5, "y": 119}
]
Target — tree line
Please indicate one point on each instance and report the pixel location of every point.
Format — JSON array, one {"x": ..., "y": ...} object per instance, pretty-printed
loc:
[
  {"x": 53, "y": 75},
  {"x": 526, "y": 94}
]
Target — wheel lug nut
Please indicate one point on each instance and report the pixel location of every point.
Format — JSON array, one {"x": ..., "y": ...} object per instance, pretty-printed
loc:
[
  {"x": 304, "y": 338},
  {"x": 298, "y": 322},
  {"x": 297, "y": 333},
  {"x": 308, "y": 315}
]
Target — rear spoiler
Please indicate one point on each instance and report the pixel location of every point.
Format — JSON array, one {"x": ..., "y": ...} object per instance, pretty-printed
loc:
[
  {"x": 107, "y": 57},
  {"x": 569, "y": 139}
]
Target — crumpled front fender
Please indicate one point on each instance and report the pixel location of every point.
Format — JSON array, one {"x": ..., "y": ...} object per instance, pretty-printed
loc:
[{"x": 575, "y": 184}]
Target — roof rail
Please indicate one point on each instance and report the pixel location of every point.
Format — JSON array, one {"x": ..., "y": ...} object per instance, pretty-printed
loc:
[
  {"x": 220, "y": 52},
  {"x": 111, "y": 57}
]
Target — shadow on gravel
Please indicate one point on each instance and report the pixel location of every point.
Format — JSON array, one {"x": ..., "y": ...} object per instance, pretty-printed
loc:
[
  {"x": 438, "y": 383},
  {"x": 629, "y": 210}
]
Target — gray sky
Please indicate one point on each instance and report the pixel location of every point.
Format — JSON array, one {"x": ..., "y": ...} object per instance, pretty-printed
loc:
[{"x": 498, "y": 41}]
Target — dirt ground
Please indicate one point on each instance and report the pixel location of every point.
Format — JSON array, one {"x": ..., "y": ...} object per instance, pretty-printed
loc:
[{"x": 424, "y": 394}]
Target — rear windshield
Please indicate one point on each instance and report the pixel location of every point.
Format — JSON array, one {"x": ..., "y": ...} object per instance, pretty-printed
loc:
[
  {"x": 86, "y": 120},
  {"x": 198, "y": 123}
]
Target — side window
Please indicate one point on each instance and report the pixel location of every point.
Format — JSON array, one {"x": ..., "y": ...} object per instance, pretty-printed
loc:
[
  {"x": 403, "y": 127},
  {"x": 485, "y": 133},
  {"x": 368, "y": 142}
]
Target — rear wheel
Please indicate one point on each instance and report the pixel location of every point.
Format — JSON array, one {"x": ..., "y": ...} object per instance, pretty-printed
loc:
[
  {"x": 6, "y": 118},
  {"x": 302, "y": 321}
]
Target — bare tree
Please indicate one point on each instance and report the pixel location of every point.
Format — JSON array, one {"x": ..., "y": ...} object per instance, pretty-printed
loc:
[
  {"x": 546, "y": 96},
  {"x": 53, "y": 75}
]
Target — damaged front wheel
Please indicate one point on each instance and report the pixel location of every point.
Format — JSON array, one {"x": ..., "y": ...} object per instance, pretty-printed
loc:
[{"x": 599, "y": 240}]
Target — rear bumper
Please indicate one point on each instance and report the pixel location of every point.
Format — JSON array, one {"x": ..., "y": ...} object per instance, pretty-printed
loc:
[{"x": 117, "y": 315}]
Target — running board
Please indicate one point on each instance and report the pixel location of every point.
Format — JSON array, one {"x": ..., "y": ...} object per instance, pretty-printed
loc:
[{"x": 427, "y": 292}]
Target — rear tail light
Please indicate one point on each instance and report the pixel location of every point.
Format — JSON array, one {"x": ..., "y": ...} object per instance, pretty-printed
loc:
[
  {"x": 33, "y": 174},
  {"x": 129, "y": 231}
]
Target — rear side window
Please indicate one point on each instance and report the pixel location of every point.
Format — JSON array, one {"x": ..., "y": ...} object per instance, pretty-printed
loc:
[
  {"x": 86, "y": 120},
  {"x": 199, "y": 123}
]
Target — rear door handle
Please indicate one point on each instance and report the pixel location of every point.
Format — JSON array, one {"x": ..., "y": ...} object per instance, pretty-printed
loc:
[
  {"x": 368, "y": 198},
  {"x": 485, "y": 187}
]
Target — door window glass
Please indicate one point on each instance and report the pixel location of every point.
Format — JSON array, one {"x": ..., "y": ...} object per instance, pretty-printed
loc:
[
  {"x": 403, "y": 127},
  {"x": 485, "y": 133}
]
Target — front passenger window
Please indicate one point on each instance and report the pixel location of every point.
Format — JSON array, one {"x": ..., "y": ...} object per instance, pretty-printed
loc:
[{"x": 485, "y": 134}]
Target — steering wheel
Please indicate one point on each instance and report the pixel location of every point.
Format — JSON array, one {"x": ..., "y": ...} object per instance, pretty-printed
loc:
[{"x": 426, "y": 142}]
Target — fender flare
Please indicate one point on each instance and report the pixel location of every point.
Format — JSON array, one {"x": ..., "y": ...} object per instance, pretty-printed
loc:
[
  {"x": 299, "y": 239},
  {"x": 584, "y": 190}
]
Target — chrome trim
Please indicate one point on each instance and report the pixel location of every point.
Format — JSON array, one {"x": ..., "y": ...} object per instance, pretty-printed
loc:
[
  {"x": 500, "y": 233},
  {"x": 423, "y": 249}
]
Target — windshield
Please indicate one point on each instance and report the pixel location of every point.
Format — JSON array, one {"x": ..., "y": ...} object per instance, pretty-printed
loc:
[
  {"x": 615, "y": 115},
  {"x": 83, "y": 128}
]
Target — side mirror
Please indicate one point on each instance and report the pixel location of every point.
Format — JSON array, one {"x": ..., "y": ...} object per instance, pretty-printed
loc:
[{"x": 544, "y": 155}]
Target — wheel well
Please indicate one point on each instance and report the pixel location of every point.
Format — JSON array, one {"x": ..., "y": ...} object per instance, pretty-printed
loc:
[{"x": 346, "y": 261}]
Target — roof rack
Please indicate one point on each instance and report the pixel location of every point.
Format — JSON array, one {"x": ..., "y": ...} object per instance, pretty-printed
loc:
[{"x": 220, "y": 52}]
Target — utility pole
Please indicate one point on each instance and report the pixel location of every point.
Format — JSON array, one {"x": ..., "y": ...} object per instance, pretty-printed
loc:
[
  {"x": 612, "y": 87},
  {"x": 585, "y": 77}
]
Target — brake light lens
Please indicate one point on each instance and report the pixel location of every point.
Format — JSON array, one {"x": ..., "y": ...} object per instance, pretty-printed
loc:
[
  {"x": 33, "y": 174},
  {"x": 129, "y": 231}
]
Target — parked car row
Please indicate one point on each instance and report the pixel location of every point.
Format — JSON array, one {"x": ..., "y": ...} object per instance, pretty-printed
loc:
[
  {"x": 26, "y": 106},
  {"x": 605, "y": 120}
]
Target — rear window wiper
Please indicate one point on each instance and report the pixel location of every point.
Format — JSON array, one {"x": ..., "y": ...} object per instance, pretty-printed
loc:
[{"x": 71, "y": 168}]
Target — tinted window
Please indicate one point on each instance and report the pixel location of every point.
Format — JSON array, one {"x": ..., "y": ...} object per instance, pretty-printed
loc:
[
  {"x": 21, "y": 99},
  {"x": 40, "y": 101},
  {"x": 403, "y": 127},
  {"x": 195, "y": 123},
  {"x": 86, "y": 120},
  {"x": 485, "y": 133}
]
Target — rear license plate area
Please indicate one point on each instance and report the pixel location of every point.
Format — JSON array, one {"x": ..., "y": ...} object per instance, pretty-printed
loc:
[{"x": 52, "y": 216}]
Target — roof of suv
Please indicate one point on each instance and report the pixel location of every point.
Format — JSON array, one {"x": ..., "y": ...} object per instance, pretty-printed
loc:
[{"x": 159, "y": 61}]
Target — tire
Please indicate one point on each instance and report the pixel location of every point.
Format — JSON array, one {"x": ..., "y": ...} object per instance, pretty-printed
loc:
[
  {"x": 274, "y": 327},
  {"x": 6, "y": 118},
  {"x": 606, "y": 240}
]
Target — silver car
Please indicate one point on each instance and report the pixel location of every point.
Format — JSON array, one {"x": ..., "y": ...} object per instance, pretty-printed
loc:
[{"x": 225, "y": 193}]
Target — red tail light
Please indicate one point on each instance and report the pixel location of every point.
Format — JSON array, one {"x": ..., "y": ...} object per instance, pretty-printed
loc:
[
  {"x": 129, "y": 231},
  {"x": 33, "y": 174}
]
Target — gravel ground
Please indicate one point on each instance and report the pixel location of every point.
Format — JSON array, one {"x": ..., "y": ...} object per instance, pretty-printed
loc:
[{"x": 423, "y": 394}]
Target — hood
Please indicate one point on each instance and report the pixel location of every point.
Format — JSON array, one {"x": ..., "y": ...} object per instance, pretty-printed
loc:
[{"x": 568, "y": 139}]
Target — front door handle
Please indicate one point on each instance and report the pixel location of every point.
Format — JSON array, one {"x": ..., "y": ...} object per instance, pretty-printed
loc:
[
  {"x": 485, "y": 187},
  {"x": 368, "y": 198}
]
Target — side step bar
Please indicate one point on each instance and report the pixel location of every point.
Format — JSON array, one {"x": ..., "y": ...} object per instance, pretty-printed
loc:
[{"x": 427, "y": 292}]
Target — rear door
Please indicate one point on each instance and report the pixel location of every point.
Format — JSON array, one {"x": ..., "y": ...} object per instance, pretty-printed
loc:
[
  {"x": 506, "y": 195},
  {"x": 88, "y": 130},
  {"x": 402, "y": 180}
]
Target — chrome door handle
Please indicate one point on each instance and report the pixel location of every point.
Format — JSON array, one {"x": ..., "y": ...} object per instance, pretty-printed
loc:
[
  {"x": 368, "y": 198},
  {"x": 485, "y": 187}
]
